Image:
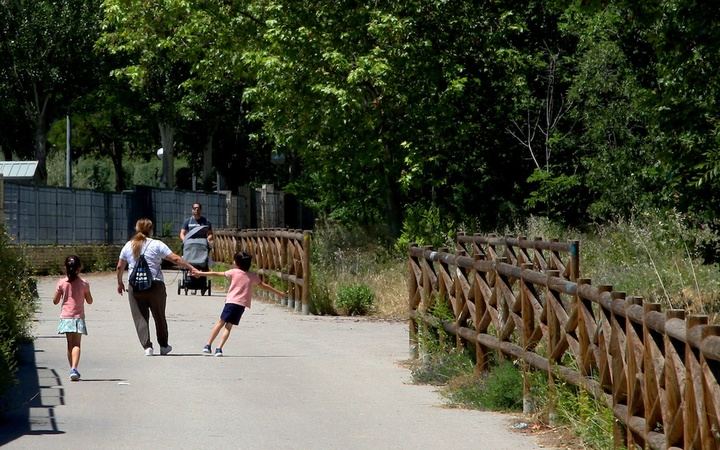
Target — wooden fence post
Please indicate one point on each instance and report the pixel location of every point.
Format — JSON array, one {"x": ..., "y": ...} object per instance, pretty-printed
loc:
[
  {"x": 574, "y": 260},
  {"x": 693, "y": 414},
  {"x": 482, "y": 360},
  {"x": 553, "y": 340},
  {"x": 619, "y": 383},
  {"x": 306, "y": 272},
  {"x": 528, "y": 324},
  {"x": 2, "y": 200},
  {"x": 412, "y": 308},
  {"x": 297, "y": 270}
]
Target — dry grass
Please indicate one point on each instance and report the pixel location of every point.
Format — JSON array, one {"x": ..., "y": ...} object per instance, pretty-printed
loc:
[{"x": 389, "y": 284}]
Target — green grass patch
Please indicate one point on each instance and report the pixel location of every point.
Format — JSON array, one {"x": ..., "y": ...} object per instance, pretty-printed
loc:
[
  {"x": 501, "y": 389},
  {"x": 355, "y": 299}
]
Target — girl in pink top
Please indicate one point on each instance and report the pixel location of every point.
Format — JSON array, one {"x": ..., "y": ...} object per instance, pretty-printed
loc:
[
  {"x": 238, "y": 297},
  {"x": 73, "y": 292}
]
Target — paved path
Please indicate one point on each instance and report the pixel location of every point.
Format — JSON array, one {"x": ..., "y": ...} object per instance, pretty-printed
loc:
[{"x": 287, "y": 381}]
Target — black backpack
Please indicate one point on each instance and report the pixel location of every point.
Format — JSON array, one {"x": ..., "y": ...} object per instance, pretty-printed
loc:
[{"x": 140, "y": 278}]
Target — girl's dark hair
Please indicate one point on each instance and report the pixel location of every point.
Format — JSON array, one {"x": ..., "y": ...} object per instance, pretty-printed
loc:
[
  {"x": 243, "y": 261},
  {"x": 72, "y": 267}
]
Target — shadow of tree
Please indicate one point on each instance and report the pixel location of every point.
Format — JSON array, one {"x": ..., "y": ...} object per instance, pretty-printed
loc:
[{"x": 29, "y": 406}]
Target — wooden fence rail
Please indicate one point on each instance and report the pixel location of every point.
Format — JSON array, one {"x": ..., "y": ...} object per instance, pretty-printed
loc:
[
  {"x": 658, "y": 371},
  {"x": 280, "y": 252}
]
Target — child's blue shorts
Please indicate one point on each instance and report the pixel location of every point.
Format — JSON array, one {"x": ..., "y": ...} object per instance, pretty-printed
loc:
[{"x": 232, "y": 313}]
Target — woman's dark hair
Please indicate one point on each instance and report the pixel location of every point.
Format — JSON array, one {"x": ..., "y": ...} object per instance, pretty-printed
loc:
[
  {"x": 243, "y": 261},
  {"x": 72, "y": 267}
]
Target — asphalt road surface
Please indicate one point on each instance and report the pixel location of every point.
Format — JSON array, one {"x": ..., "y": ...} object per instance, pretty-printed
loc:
[{"x": 287, "y": 381}]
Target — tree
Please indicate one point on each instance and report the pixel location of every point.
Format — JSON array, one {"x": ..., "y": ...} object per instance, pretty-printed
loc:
[
  {"x": 182, "y": 56},
  {"x": 392, "y": 103},
  {"x": 47, "y": 51}
]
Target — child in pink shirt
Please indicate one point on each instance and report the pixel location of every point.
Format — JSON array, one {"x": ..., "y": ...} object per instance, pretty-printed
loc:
[
  {"x": 73, "y": 291},
  {"x": 239, "y": 296}
]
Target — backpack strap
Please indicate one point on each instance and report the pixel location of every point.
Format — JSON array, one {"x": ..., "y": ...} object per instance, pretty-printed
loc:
[{"x": 146, "y": 246}]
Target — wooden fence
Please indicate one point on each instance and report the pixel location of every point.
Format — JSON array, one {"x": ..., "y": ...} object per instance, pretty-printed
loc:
[
  {"x": 658, "y": 371},
  {"x": 280, "y": 252}
]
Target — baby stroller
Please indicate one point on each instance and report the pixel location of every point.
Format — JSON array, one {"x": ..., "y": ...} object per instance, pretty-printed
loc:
[{"x": 196, "y": 251}]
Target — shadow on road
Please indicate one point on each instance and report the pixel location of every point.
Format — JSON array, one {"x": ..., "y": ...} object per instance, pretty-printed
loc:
[{"x": 29, "y": 407}]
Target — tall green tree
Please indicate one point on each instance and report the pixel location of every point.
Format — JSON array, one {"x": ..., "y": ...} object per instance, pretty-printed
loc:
[
  {"x": 392, "y": 103},
  {"x": 47, "y": 51},
  {"x": 182, "y": 58}
]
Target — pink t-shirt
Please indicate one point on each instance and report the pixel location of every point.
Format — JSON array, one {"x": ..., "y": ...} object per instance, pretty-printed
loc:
[
  {"x": 241, "y": 284},
  {"x": 72, "y": 297}
]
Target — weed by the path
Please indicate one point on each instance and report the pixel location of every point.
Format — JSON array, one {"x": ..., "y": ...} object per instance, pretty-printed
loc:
[{"x": 355, "y": 299}]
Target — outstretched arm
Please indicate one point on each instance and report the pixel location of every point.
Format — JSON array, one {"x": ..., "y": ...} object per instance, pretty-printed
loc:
[
  {"x": 263, "y": 285},
  {"x": 206, "y": 274},
  {"x": 178, "y": 261}
]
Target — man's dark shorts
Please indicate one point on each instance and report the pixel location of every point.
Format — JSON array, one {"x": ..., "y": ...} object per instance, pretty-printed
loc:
[{"x": 232, "y": 313}]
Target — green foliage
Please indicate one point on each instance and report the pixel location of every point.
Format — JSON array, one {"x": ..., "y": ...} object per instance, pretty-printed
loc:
[
  {"x": 355, "y": 299},
  {"x": 588, "y": 418},
  {"x": 98, "y": 173},
  {"x": 551, "y": 192},
  {"x": 337, "y": 248},
  {"x": 656, "y": 255},
  {"x": 441, "y": 361},
  {"x": 321, "y": 301},
  {"x": 19, "y": 294},
  {"x": 501, "y": 389},
  {"x": 426, "y": 225},
  {"x": 48, "y": 61}
]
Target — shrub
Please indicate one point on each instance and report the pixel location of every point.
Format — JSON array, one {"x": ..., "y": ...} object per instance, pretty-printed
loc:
[
  {"x": 503, "y": 388},
  {"x": 441, "y": 361},
  {"x": 425, "y": 225},
  {"x": 321, "y": 303},
  {"x": 589, "y": 419},
  {"x": 355, "y": 299},
  {"x": 19, "y": 301}
]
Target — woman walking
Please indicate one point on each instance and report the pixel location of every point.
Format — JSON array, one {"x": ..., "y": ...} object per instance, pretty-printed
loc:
[{"x": 152, "y": 300}]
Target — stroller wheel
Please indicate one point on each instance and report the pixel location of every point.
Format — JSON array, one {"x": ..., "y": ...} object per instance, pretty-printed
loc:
[{"x": 202, "y": 291}]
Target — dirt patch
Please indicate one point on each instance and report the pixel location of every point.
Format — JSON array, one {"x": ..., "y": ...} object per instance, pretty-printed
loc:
[{"x": 556, "y": 438}]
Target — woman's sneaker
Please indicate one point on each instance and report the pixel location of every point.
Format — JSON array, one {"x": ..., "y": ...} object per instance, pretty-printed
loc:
[
  {"x": 149, "y": 351},
  {"x": 218, "y": 351},
  {"x": 207, "y": 349},
  {"x": 165, "y": 350},
  {"x": 74, "y": 375}
]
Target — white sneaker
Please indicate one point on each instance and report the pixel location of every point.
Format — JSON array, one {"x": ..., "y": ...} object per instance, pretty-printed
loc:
[
  {"x": 149, "y": 351},
  {"x": 165, "y": 350}
]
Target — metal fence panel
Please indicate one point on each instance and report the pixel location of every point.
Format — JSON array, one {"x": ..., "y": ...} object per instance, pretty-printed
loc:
[{"x": 50, "y": 215}]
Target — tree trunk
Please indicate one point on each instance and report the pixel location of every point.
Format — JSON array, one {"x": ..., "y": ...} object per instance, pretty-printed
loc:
[
  {"x": 41, "y": 147},
  {"x": 37, "y": 111},
  {"x": 116, "y": 157},
  {"x": 167, "y": 133},
  {"x": 393, "y": 212},
  {"x": 207, "y": 167}
]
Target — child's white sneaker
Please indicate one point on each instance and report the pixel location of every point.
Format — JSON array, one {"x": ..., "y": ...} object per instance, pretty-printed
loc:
[{"x": 218, "y": 351}]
